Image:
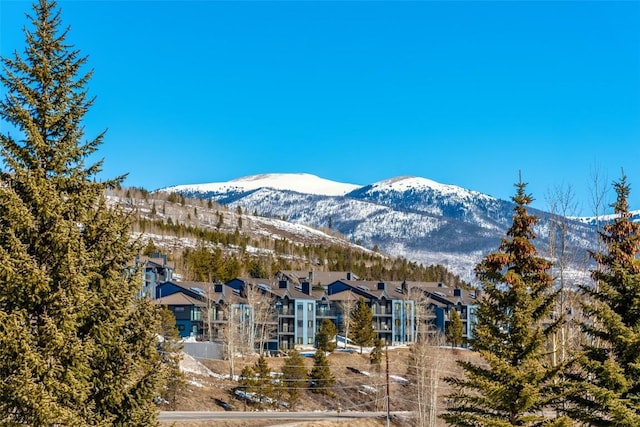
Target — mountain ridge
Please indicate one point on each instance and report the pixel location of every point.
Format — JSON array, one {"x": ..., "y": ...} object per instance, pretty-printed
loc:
[{"x": 406, "y": 216}]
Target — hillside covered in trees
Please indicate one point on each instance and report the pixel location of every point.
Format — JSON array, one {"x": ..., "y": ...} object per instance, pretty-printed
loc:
[{"x": 208, "y": 241}]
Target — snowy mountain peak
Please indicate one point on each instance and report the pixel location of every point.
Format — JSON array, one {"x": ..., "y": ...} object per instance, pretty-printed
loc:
[
  {"x": 406, "y": 183},
  {"x": 298, "y": 182}
]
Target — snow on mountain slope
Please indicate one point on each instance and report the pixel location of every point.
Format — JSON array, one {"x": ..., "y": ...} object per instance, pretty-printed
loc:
[
  {"x": 411, "y": 217},
  {"x": 592, "y": 220},
  {"x": 299, "y": 182},
  {"x": 408, "y": 183},
  {"x": 424, "y": 195}
]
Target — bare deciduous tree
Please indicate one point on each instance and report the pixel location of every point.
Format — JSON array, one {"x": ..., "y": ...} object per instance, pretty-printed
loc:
[
  {"x": 346, "y": 307},
  {"x": 562, "y": 205},
  {"x": 424, "y": 370},
  {"x": 230, "y": 334},
  {"x": 265, "y": 319},
  {"x": 424, "y": 315}
]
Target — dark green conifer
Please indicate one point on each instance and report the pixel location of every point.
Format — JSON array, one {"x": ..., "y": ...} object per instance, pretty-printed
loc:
[
  {"x": 76, "y": 346},
  {"x": 607, "y": 387},
  {"x": 171, "y": 353},
  {"x": 320, "y": 376},
  {"x": 263, "y": 383},
  {"x": 294, "y": 377},
  {"x": 514, "y": 384},
  {"x": 375, "y": 358},
  {"x": 455, "y": 329},
  {"x": 326, "y": 335},
  {"x": 362, "y": 333}
]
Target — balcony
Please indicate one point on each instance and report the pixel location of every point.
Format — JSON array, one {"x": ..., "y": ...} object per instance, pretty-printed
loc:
[
  {"x": 286, "y": 329},
  {"x": 330, "y": 313},
  {"x": 285, "y": 310},
  {"x": 382, "y": 327}
]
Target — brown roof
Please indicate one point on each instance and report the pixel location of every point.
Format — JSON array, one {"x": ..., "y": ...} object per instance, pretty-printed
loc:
[
  {"x": 315, "y": 277},
  {"x": 179, "y": 299},
  {"x": 376, "y": 289}
]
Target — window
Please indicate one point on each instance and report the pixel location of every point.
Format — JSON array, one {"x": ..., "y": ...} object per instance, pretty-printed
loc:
[
  {"x": 300, "y": 307},
  {"x": 299, "y": 340},
  {"x": 310, "y": 341},
  {"x": 300, "y": 325},
  {"x": 178, "y": 309},
  {"x": 310, "y": 324},
  {"x": 397, "y": 306},
  {"x": 310, "y": 306}
]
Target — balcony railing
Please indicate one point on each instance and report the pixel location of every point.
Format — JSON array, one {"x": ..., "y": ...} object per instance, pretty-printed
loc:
[{"x": 285, "y": 310}]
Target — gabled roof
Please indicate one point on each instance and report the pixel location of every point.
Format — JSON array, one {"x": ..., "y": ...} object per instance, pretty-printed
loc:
[
  {"x": 371, "y": 289},
  {"x": 179, "y": 299},
  {"x": 322, "y": 278},
  {"x": 159, "y": 261},
  {"x": 445, "y": 294},
  {"x": 193, "y": 289},
  {"x": 272, "y": 287}
]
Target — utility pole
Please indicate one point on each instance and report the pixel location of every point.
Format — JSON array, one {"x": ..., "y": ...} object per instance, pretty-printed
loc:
[{"x": 386, "y": 353}]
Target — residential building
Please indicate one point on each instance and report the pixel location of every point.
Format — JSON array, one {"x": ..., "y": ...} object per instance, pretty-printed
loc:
[
  {"x": 440, "y": 300},
  {"x": 317, "y": 279},
  {"x": 393, "y": 311},
  {"x": 155, "y": 269},
  {"x": 187, "y": 303},
  {"x": 277, "y": 315}
]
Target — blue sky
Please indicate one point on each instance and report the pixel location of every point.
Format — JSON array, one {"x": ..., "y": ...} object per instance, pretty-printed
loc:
[{"x": 464, "y": 93}]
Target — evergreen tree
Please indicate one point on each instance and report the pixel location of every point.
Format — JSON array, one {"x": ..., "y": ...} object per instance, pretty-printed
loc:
[
  {"x": 321, "y": 377},
  {"x": 171, "y": 351},
  {"x": 515, "y": 382},
  {"x": 455, "y": 330},
  {"x": 361, "y": 323},
  {"x": 247, "y": 379},
  {"x": 375, "y": 358},
  {"x": 263, "y": 381},
  {"x": 607, "y": 387},
  {"x": 294, "y": 377},
  {"x": 326, "y": 335},
  {"x": 76, "y": 346},
  {"x": 150, "y": 249}
]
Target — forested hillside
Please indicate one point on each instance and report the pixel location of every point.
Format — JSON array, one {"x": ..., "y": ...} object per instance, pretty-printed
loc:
[{"x": 208, "y": 241}]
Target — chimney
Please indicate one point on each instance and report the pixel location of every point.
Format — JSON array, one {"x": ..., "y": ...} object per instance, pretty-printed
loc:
[
  {"x": 306, "y": 288},
  {"x": 311, "y": 276},
  {"x": 382, "y": 286}
]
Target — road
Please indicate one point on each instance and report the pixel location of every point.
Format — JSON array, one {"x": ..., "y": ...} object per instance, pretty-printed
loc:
[{"x": 269, "y": 415}]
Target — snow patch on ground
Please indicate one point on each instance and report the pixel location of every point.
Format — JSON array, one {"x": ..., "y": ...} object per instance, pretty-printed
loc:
[{"x": 189, "y": 364}]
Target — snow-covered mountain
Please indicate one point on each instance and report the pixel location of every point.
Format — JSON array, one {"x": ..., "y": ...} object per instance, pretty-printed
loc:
[
  {"x": 593, "y": 220},
  {"x": 412, "y": 217},
  {"x": 298, "y": 182}
]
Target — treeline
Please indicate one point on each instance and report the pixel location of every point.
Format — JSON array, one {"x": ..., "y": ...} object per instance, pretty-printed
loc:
[
  {"x": 227, "y": 260},
  {"x": 225, "y": 248}
]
